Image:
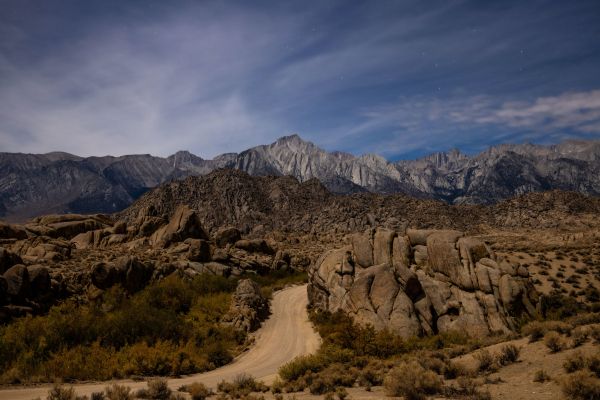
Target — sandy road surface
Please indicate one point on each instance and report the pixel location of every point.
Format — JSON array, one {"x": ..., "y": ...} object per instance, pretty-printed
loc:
[{"x": 285, "y": 335}]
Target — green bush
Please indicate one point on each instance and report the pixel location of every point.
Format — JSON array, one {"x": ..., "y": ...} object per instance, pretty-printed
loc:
[
  {"x": 171, "y": 327},
  {"x": 299, "y": 366}
]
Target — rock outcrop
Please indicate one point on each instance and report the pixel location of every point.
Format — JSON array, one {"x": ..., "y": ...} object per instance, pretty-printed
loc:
[
  {"x": 422, "y": 282},
  {"x": 248, "y": 307},
  {"x": 184, "y": 224}
]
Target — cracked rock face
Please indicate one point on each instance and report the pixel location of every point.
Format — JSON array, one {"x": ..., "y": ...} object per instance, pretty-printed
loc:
[
  {"x": 422, "y": 282},
  {"x": 248, "y": 307}
]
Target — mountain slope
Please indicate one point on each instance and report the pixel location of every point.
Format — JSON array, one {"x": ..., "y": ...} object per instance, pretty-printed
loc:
[{"x": 33, "y": 184}]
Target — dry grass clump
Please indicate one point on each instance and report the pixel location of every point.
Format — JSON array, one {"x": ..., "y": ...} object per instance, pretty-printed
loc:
[
  {"x": 197, "y": 391},
  {"x": 467, "y": 388},
  {"x": 485, "y": 361},
  {"x": 554, "y": 341},
  {"x": 580, "y": 335},
  {"x": 242, "y": 386},
  {"x": 541, "y": 376},
  {"x": 574, "y": 362},
  {"x": 509, "y": 354},
  {"x": 118, "y": 392},
  {"x": 412, "y": 381},
  {"x": 59, "y": 392},
  {"x": 536, "y": 330},
  {"x": 581, "y": 386}
]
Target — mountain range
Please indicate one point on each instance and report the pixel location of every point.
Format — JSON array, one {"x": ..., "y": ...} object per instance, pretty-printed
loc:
[{"x": 35, "y": 184}]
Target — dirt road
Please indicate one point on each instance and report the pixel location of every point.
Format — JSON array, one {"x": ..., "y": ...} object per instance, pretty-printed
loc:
[{"x": 285, "y": 335}]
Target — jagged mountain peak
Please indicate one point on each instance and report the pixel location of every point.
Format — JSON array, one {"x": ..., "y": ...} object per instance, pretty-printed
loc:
[{"x": 34, "y": 184}]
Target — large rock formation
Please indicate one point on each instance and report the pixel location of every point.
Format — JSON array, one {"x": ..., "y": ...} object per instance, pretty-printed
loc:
[
  {"x": 248, "y": 307},
  {"x": 422, "y": 282}
]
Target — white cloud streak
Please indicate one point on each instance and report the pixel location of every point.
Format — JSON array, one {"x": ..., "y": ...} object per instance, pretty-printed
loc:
[{"x": 153, "y": 88}]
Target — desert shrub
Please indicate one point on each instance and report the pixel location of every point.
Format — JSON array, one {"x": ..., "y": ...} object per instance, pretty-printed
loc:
[
  {"x": 158, "y": 389},
  {"x": 341, "y": 393},
  {"x": 581, "y": 386},
  {"x": 574, "y": 362},
  {"x": 432, "y": 363},
  {"x": 541, "y": 376},
  {"x": 509, "y": 354},
  {"x": 59, "y": 392},
  {"x": 595, "y": 333},
  {"x": 537, "y": 329},
  {"x": 485, "y": 360},
  {"x": 554, "y": 341},
  {"x": 412, "y": 381},
  {"x": 593, "y": 364},
  {"x": 466, "y": 388},
  {"x": 372, "y": 374},
  {"x": 557, "y": 306},
  {"x": 118, "y": 392},
  {"x": 580, "y": 335},
  {"x": 242, "y": 385},
  {"x": 197, "y": 391},
  {"x": 319, "y": 385},
  {"x": 171, "y": 327},
  {"x": 98, "y": 396},
  {"x": 300, "y": 366},
  {"x": 453, "y": 370}
]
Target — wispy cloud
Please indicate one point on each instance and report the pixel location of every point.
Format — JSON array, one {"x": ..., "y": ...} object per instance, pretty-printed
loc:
[
  {"x": 155, "y": 87},
  {"x": 211, "y": 77},
  {"x": 432, "y": 123}
]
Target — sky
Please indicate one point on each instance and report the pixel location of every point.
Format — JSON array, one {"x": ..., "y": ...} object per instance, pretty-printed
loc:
[{"x": 397, "y": 78}]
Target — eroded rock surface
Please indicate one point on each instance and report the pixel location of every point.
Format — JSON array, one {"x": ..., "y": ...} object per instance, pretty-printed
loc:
[
  {"x": 248, "y": 307},
  {"x": 422, "y": 282}
]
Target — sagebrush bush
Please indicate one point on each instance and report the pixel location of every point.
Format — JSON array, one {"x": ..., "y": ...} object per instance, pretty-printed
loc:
[
  {"x": 118, "y": 392},
  {"x": 581, "y": 386},
  {"x": 300, "y": 366},
  {"x": 59, "y": 392},
  {"x": 537, "y": 329},
  {"x": 98, "y": 396},
  {"x": 574, "y": 362},
  {"x": 242, "y": 385},
  {"x": 580, "y": 335},
  {"x": 554, "y": 341},
  {"x": 593, "y": 364},
  {"x": 158, "y": 389},
  {"x": 541, "y": 376},
  {"x": 198, "y": 391},
  {"x": 509, "y": 354},
  {"x": 485, "y": 360},
  {"x": 412, "y": 381}
]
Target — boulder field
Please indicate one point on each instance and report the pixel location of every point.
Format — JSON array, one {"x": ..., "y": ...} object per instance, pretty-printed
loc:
[{"x": 419, "y": 282}]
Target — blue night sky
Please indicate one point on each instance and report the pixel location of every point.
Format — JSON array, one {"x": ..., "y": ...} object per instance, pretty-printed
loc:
[{"x": 400, "y": 78}]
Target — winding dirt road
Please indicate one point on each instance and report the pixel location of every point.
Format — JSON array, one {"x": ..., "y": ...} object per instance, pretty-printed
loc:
[{"x": 285, "y": 335}]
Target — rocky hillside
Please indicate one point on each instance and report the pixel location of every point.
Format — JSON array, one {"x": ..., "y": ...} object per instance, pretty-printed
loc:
[
  {"x": 266, "y": 204},
  {"x": 32, "y": 185}
]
